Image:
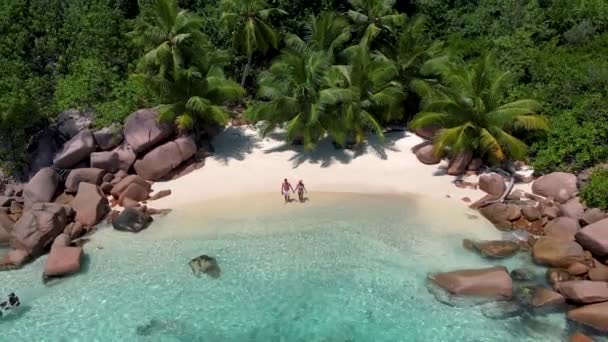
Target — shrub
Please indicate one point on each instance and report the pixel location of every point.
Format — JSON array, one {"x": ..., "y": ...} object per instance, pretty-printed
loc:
[{"x": 595, "y": 193}]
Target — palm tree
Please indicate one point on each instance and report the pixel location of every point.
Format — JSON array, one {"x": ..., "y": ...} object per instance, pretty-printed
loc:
[
  {"x": 374, "y": 17},
  {"x": 295, "y": 92},
  {"x": 374, "y": 94},
  {"x": 251, "y": 30},
  {"x": 326, "y": 32},
  {"x": 172, "y": 39},
  {"x": 196, "y": 96},
  {"x": 468, "y": 106},
  {"x": 413, "y": 49},
  {"x": 183, "y": 68}
]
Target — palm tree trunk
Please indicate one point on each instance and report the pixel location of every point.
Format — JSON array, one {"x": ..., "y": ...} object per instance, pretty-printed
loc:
[{"x": 246, "y": 71}]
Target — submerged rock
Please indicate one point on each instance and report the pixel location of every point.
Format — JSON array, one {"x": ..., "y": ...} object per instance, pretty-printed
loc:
[
  {"x": 132, "y": 220},
  {"x": 205, "y": 264},
  {"x": 594, "y": 315},
  {"x": 495, "y": 249}
]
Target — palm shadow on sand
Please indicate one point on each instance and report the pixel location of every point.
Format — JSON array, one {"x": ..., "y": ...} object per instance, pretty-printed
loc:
[
  {"x": 234, "y": 143},
  {"x": 326, "y": 154}
]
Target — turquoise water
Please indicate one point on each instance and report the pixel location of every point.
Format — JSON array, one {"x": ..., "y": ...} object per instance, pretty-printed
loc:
[{"x": 338, "y": 268}]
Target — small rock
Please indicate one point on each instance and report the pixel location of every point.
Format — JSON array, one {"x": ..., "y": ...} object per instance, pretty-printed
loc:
[
  {"x": 580, "y": 337},
  {"x": 546, "y": 298},
  {"x": 132, "y": 220},
  {"x": 466, "y": 200},
  {"x": 522, "y": 274},
  {"x": 492, "y": 183},
  {"x": 573, "y": 209},
  {"x": 496, "y": 249},
  {"x": 493, "y": 282},
  {"x": 594, "y": 238},
  {"x": 459, "y": 163},
  {"x": 550, "y": 212},
  {"x": 558, "y": 275},
  {"x": 531, "y": 213},
  {"x": 578, "y": 269},
  {"x": 475, "y": 164},
  {"x": 160, "y": 194},
  {"x": 109, "y": 137},
  {"x": 592, "y": 215}
]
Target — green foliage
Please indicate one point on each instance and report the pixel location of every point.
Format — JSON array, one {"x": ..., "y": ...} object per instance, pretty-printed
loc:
[
  {"x": 595, "y": 192},
  {"x": 577, "y": 138},
  {"x": 182, "y": 67},
  {"x": 467, "y": 104},
  {"x": 252, "y": 31},
  {"x": 373, "y": 18}
]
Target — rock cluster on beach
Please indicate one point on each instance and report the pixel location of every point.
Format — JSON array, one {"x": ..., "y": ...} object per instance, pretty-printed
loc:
[
  {"x": 564, "y": 235},
  {"x": 75, "y": 186}
]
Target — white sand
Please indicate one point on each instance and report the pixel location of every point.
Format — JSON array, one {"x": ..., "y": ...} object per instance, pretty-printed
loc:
[{"x": 245, "y": 163}]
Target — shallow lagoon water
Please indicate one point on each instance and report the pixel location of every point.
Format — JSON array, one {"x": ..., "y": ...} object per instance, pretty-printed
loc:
[{"x": 341, "y": 267}]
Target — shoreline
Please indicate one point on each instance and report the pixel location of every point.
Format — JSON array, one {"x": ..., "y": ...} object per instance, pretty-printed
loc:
[{"x": 244, "y": 163}]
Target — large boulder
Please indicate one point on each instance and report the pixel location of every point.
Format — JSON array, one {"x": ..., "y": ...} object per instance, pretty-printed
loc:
[
  {"x": 160, "y": 161},
  {"x": 38, "y": 227},
  {"x": 531, "y": 212},
  {"x": 426, "y": 155},
  {"x": 594, "y": 315},
  {"x": 63, "y": 261},
  {"x": 573, "y": 209},
  {"x": 559, "y": 185},
  {"x": 501, "y": 214},
  {"x": 41, "y": 188},
  {"x": 90, "y": 204},
  {"x": 492, "y": 183},
  {"x": 76, "y": 150},
  {"x": 493, "y": 282},
  {"x": 143, "y": 130},
  {"x": 592, "y": 215},
  {"x": 495, "y": 249},
  {"x": 120, "y": 158},
  {"x": 108, "y": 137},
  {"x": 458, "y": 164},
  {"x": 546, "y": 298},
  {"x": 564, "y": 228},
  {"x": 557, "y": 252},
  {"x": 584, "y": 291},
  {"x": 121, "y": 186},
  {"x": 72, "y": 121},
  {"x": 87, "y": 175},
  {"x": 132, "y": 220},
  {"x": 594, "y": 237},
  {"x": 45, "y": 146}
]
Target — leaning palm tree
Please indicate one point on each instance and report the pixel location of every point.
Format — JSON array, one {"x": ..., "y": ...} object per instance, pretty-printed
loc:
[
  {"x": 374, "y": 95},
  {"x": 252, "y": 31},
  {"x": 295, "y": 93},
  {"x": 172, "y": 39},
  {"x": 373, "y": 17},
  {"x": 468, "y": 106}
]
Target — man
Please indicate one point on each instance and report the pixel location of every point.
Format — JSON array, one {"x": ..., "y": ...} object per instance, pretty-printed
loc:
[
  {"x": 11, "y": 303},
  {"x": 285, "y": 187}
]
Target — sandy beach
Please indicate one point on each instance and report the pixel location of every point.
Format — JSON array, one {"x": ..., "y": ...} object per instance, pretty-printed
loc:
[{"x": 244, "y": 163}]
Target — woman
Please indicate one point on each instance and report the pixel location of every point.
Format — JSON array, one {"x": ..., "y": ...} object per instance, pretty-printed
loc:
[{"x": 301, "y": 189}]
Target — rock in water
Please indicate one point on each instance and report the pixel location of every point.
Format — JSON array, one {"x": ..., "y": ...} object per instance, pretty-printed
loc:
[
  {"x": 493, "y": 282},
  {"x": 132, "y": 220},
  {"x": 205, "y": 264}
]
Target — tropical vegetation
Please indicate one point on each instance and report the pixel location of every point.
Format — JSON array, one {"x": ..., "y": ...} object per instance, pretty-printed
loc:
[
  {"x": 521, "y": 79},
  {"x": 595, "y": 192}
]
